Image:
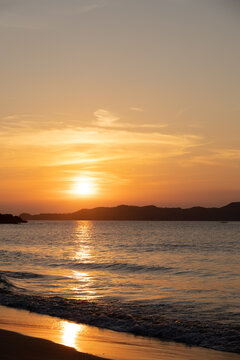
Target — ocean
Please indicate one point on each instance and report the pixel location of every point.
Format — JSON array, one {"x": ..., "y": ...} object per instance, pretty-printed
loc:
[{"x": 177, "y": 281}]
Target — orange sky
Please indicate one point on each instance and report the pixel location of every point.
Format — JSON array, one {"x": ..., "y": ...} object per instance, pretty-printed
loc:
[{"x": 138, "y": 100}]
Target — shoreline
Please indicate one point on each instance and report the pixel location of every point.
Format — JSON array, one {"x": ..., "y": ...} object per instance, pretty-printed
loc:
[{"x": 99, "y": 343}]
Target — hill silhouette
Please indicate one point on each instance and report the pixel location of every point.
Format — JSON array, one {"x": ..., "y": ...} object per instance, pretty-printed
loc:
[
  {"x": 230, "y": 212},
  {"x": 10, "y": 219}
]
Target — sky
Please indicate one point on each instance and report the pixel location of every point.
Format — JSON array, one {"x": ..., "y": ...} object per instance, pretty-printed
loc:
[{"x": 108, "y": 102}]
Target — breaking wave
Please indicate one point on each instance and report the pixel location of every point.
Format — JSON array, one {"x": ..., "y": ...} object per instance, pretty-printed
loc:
[{"x": 176, "y": 322}]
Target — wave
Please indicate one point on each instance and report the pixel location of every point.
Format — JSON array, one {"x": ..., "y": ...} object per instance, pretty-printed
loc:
[
  {"x": 6, "y": 285},
  {"x": 116, "y": 266},
  {"x": 20, "y": 275},
  {"x": 73, "y": 264},
  {"x": 176, "y": 322}
]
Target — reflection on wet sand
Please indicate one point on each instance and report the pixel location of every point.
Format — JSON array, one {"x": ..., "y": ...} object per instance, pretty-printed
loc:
[{"x": 70, "y": 332}]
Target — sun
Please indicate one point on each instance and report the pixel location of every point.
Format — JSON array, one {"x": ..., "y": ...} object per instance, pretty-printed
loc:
[{"x": 83, "y": 187}]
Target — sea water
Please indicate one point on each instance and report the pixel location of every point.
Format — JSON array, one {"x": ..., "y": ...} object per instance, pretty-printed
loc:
[{"x": 169, "y": 280}]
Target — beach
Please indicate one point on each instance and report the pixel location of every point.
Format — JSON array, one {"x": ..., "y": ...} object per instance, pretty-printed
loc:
[{"x": 63, "y": 338}]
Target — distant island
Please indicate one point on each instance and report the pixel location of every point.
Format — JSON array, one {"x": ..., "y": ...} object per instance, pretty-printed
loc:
[
  {"x": 10, "y": 219},
  {"x": 230, "y": 212}
]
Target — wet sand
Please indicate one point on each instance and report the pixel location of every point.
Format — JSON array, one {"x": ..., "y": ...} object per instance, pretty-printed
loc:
[
  {"x": 86, "y": 339},
  {"x": 16, "y": 346}
]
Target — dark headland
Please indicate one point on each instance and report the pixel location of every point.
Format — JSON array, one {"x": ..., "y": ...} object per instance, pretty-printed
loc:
[
  {"x": 230, "y": 212},
  {"x": 10, "y": 219}
]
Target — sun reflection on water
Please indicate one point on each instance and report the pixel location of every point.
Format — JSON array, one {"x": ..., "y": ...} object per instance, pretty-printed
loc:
[
  {"x": 84, "y": 285},
  {"x": 83, "y": 234},
  {"x": 83, "y": 280}
]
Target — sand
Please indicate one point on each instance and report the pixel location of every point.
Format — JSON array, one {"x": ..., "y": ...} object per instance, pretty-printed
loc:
[
  {"x": 101, "y": 343},
  {"x": 15, "y": 346}
]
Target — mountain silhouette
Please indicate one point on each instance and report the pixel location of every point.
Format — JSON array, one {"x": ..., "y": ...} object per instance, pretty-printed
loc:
[{"x": 230, "y": 212}]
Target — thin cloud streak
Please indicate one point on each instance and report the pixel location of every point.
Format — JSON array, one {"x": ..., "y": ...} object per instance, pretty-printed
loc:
[
  {"x": 138, "y": 109},
  {"x": 98, "y": 137},
  {"x": 216, "y": 157},
  {"x": 35, "y": 14},
  {"x": 105, "y": 118}
]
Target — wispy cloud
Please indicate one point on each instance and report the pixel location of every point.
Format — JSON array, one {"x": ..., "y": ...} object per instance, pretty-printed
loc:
[
  {"x": 34, "y": 14},
  {"x": 216, "y": 157},
  {"x": 138, "y": 109},
  {"x": 105, "y": 118},
  {"x": 15, "y": 123},
  {"x": 30, "y": 129},
  {"x": 227, "y": 154},
  {"x": 72, "y": 147},
  {"x": 90, "y": 135},
  {"x": 92, "y": 5}
]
